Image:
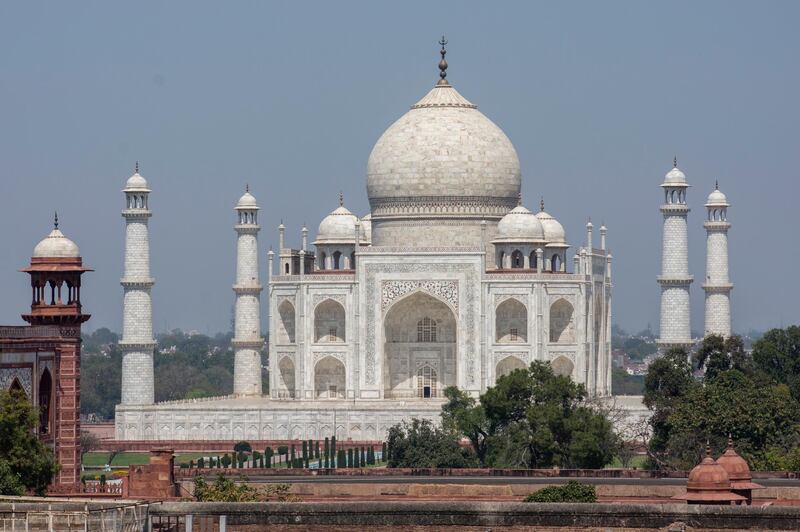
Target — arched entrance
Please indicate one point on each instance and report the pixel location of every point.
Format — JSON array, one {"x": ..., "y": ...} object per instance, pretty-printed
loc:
[
  {"x": 420, "y": 349},
  {"x": 562, "y": 366},
  {"x": 329, "y": 379},
  {"x": 427, "y": 383}
]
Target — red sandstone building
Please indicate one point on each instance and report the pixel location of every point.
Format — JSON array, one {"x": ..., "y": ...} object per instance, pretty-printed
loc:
[{"x": 42, "y": 359}]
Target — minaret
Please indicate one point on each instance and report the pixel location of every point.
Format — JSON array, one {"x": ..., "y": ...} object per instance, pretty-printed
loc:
[
  {"x": 675, "y": 279},
  {"x": 247, "y": 341},
  {"x": 718, "y": 285},
  {"x": 137, "y": 342}
]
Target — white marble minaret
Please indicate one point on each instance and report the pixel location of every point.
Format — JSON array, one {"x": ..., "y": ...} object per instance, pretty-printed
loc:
[
  {"x": 247, "y": 340},
  {"x": 137, "y": 316},
  {"x": 717, "y": 285},
  {"x": 675, "y": 279}
]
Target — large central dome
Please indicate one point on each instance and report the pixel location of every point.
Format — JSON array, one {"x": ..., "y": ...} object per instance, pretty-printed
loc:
[{"x": 443, "y": 157}]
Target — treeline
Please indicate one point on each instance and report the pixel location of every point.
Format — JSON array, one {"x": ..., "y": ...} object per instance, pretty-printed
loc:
[
  {"x": 186, "y": 366},
  {"x": 754, "y": 398}
]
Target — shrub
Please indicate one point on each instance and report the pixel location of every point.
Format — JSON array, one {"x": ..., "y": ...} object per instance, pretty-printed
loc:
[
  {"x": 201, "y": 463},
  {"x": 316, "y": 451},
  {"x": 305, "y": 449},
  {"x": 226, "y": 460},
  {"x": 572, "y": 491},
  {"x": 242, "y": 446}
]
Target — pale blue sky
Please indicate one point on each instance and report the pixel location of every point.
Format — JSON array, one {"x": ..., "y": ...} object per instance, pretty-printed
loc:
[{"x": 596, "y": 96}]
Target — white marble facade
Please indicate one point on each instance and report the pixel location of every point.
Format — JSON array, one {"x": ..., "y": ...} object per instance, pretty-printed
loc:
[{"x": 447, "y": 281}]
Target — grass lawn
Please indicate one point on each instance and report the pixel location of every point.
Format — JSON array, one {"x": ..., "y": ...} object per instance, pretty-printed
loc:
[{"x": 637, "y": 461}]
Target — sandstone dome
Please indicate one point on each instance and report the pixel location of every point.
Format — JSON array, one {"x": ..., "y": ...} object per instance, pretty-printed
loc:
[
  {"x": 519, "y": 225},
  {"x": 56, "y": 245},
  {"x": 443, "y": 151}
]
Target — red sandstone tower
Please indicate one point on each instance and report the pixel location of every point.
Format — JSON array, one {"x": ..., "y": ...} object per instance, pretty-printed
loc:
[{"x": 43, "y": 360}]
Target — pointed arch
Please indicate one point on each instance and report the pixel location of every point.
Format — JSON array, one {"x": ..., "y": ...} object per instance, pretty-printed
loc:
[
  {"x": 45, "y": 401},
  {"x": 516, "y": 259},
  {"x": 330, "y": 378},
  {"x": 286, "y": 322},
  {"x": 427, "y": 382},
  {"x": 286, "y": 377},
  {"x": 16, "y": 386},
  {"x": 562, "y": 326},
  {"x": 562, "y": 366},
  {"x": 511, "y": 321},
  {"x": 507, "y": 365},
  {"x": 533, "y": 262},
  {"x": 329, "y": 322}
]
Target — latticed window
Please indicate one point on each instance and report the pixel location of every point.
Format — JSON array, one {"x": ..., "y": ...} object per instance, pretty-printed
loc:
[
  {"x": 332, "y": 334},
  {"x": 426, "y": 382},
  {"x": 513, "y": 334},
  {"x": 426, "y": 330}
]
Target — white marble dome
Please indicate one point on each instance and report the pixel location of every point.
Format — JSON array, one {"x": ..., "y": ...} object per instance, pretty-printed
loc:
[
  {"x": 136, "y": 183},
  {"x": 56, "y": 245},
  {"x": 443, "y": 148},
  {"x": 366, "y": 228},
  {"x": 675, "y": 177},
  {"x": 338, "y": 227},
  {"x": 519, "y": 225},
  {"x": 247, "y": 201},
  {"x": 717, "y": 198},
  {"x": 553, "y": 230}
]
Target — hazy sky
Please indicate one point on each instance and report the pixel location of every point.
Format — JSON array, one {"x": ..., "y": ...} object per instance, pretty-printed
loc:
[{"x": 597, "y": 97}]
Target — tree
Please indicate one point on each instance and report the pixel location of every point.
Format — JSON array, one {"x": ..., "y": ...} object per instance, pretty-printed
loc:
[
  {"x": 717, "y": 354},
  {"x": 777, "y": 353},
  {"x": 242, "y": 447},
  {"x": 534, "y": 418},
  {"x": 226, "y": 461},
  {"x": 25, "y": 463},
  {"x": 350, "y": 457},
  {"x": 421, "y": 444},
  {"x": 464, "y": 415},
  {"x": 89, "y": 442}
]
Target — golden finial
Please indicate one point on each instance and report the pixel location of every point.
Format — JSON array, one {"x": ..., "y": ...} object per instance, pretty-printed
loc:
[
  {"x": 341, "y": 199},
  {"x": 136, "y": 168},
  {"x": 247, "y": 187},
  {"x": 541, "y": 204},
  {"x": 675, "y": 162},
  {"x": 55, "y": 220}
]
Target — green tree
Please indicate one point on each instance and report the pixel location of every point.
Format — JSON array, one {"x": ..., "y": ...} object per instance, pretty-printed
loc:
[
  {"x": 534, "y": 418},
  {"x": 572, "y": 491},
  {"x": 717, "y": 354},
  {"x": 25, "y": 463},
  {"x": 243, "y": 447},
  {"x": 421, "y": 444},
  {"x": 777, "y": 353},
  {"x": 462, "y": 414}
]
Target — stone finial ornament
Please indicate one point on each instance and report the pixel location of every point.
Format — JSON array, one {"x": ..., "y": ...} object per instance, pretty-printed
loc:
[{"x": 443, "y": 63}]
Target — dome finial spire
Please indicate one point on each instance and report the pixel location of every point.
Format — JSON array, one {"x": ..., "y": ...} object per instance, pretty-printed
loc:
[
  {"x": 136, "y": 168},
  {"x": 55, "y": 220},
  {"x": 716, "y": 184},
  {"x": 443, "y": 63},
  {"x": 247, "y": 187},
  {"x": 341, "y": 199},
  {"x": 675, "y": 162},
  {"x": 519, "y": 198},
  {"x": 541, "y": 204}
]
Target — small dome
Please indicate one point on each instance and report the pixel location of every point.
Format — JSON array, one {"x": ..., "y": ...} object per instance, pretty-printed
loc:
[
  {"x": 247, "y": 201},
  {"x": 737, "y": 469},
  {"x": 717, "y": 198},
  {"x": 366, "y": 228},
  {"x": 338, "y": 227},
  {"x": 519, "y": 225},
  {"x": 136, "y": 183},
  {"x": 709, "y": 483},
  {"x": 675, "y": 177},
  {"x": 553, "y": 230},
  {"x": 56, "y": 245}
]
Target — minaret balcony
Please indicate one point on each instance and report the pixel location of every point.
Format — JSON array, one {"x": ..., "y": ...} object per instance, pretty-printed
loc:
[
  {"x": 675, "y": 280},
  {"x": 717, "y": 288},
  {"x": 675, "y": 208},
  {"x": 137, "y": 213}
]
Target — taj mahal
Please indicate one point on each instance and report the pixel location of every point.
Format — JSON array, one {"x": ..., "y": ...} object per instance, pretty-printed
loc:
[{"x": 448, "y": 281}]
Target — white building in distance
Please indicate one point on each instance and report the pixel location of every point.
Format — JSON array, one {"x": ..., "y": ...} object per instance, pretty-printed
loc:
[{"x": 448, "y": 281}]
